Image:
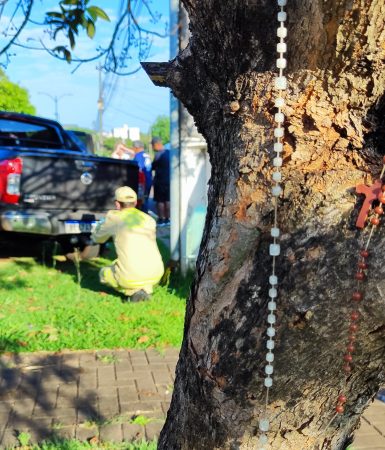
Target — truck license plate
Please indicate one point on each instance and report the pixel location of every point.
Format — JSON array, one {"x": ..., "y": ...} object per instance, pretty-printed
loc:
[{"x": 77, "y": 226}]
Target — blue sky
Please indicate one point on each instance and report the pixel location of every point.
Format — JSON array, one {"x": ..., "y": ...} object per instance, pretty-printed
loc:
[{"x": 135, "y": 100}]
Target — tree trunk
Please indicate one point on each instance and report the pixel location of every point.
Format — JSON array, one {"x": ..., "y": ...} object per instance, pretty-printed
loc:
[{"x": 334, "y": 125}]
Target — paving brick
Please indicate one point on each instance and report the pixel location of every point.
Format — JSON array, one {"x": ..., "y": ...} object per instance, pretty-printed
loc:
[
  {"x": 111, "y": 433},
  {"x": 153, "y": 429},
  {"x": 127, "y": 394},
  {"x": 63, "y": 431},
  {"x": 162, "y": 377},
  {"x": 84, "y": 433},
  {"x": 9, "y": 439},
  {"x": 165, "y": 407},
  {"x": 105, "y": 375},
  {"x": 132, "y": 431},
  {"x": 146, "y": 384},
  {"x": 24, "y": 407}
]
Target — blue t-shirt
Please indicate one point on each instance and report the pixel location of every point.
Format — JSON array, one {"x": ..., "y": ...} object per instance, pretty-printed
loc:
[{"x": 144, "y": 162}]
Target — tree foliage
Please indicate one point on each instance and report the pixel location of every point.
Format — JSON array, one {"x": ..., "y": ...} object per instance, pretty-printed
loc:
[
  {"x": 161, "y": 128},
  {"x": 130, "y": 41},
  {"x": 13, "y": 97}
]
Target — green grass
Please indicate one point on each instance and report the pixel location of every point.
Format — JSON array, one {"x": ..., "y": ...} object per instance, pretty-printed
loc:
[
  {"x": 77, "y": 445},
  {"x": 44, "y": 308}
]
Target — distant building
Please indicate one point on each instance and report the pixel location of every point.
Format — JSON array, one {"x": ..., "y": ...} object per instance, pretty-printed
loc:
[{"x": 126, "y": 132}]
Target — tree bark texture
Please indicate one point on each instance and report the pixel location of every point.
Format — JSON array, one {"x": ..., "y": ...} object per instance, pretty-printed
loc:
[{"x": 335, "y": 130}]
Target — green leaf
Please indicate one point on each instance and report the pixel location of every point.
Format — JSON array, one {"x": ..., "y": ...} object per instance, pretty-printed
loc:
[
  {"x": 71, "y": 37},
  {"x": 68, "y": 56},
  {"x": 90, "y": 29},
  {"x": 95, "y": 10},
  {"x": 69, "y": 2}
]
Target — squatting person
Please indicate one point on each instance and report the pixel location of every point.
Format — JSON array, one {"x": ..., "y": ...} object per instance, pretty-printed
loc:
[{"x": 139, "y": 265}]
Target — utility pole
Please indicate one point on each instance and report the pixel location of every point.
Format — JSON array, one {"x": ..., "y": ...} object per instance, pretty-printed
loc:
[
  {"x": 56, "y": 99},
  {"x": 100, "y": 104}
]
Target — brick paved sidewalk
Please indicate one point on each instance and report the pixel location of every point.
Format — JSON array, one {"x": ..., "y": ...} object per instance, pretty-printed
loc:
[
  {"x": 114, "y": 395},
  {"x": 85, "y": 394}
]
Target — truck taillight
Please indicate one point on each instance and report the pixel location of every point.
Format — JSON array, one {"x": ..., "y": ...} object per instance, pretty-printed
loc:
[
  {"x": 10, "y": 174},
  {"x": 141, "y": 187}
]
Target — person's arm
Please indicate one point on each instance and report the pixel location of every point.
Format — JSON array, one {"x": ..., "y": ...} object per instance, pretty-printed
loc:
[{"x": 105, "y": 229}]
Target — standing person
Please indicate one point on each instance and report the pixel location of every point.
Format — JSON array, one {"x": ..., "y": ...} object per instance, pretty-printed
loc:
[
  {"x": 161, "y": 166},
  {"x": 122, "y": 152},
  {"x": 144, "y": 161},
  {"x": 139, "y": 264}
]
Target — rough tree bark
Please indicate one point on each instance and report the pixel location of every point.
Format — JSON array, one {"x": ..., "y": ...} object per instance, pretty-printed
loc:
[{"x": 334, "y": 140}]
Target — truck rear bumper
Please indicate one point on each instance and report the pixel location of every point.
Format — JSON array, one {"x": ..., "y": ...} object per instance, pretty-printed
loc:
[
  {"x": 26, "y": 222},
  {"x": 41, "y": 222}
]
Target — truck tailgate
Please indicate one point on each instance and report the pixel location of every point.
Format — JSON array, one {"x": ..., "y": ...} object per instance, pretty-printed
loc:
[{"x": 73, "y": 182}]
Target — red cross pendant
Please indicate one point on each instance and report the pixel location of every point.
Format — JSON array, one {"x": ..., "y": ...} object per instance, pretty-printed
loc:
[{"x": 371, "y": 193}]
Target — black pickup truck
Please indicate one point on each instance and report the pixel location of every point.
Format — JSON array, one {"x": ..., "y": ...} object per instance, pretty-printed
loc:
[{"x": 51, "y": 186}]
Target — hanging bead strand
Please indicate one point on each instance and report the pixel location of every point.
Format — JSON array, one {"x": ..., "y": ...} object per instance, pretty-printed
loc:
[
  {"x": 280, "y": 85},
  {"x": 358, "y": 293}
]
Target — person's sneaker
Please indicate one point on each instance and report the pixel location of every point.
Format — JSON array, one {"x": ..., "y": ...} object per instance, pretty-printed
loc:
[
  {"x": 161, "y": 223},
  {"x": 139, "y": 296},
  {"x": 167, "y": 222}
]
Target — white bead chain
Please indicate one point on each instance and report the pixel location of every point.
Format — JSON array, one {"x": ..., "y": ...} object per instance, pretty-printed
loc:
[{"x": 280, "y": 84}]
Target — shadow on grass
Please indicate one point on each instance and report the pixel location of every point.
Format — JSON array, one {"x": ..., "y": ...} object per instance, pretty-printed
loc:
[{"x": 39, "y": 396}]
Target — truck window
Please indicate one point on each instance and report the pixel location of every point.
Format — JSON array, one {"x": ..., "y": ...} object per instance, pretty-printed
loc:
[{"x": 32, "y": 135}]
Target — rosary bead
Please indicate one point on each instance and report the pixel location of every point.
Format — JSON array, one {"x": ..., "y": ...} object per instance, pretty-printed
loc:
[
  {"x": 269, "y": 369},
  {"x": 281, "y": 63},
  {"x": 360, "y": 276},
  {"x": 275, "y": 232},
  {"x": 276, "y": 190},
  {"x": 282, "y": 2},
  {"x": 281, "y": 82},
  {"x": 277, "y": 176},
  {"x": 340, "y": 409},
  {"x": 341, "y": 398},
  {"x": 270, "y": 344},
  {"x": 279, "y": 117},
  {"x": 350, "y": 348},
  {"x": 277, "y": 161},
  {"x": 282, "y": 32},
  {"x": 278, "y": 147},
  {"x": 269, "y": 357},
  {"x": 278, "y": 132},
  {"x": 348, "y": 358},
  {"x": 357, "y": 296},
  {"x": 352, "y": 337},
  {"x": 347, "y": 368},
  {"x": 274, "y": 249},
  {"x": 268, "y": 382},
  {"x": 282, "y": 16},
  {"x": 264, "y": 424},
  {"x": 271, "y": 319},
  {"x": 375, "y": 221},
  {"x": 362, "y": 265},
  {"x": 270, "y": 332},
  {"x": 364, "y": 253},
  {"x": 263, "y": 439},
  {"x": 381, "y": 197},
  {"x": 353, "y": 327},
  {"x": 279, "y": 102},
  {"x": 355, "y": 315},
  {"x": 273, "y": 292},
  {"x": 273, "y": 279},
  {"x": 272, "y": 306},
  {"x": 378, "y": 210},
  {"x": 281, "y": 47}
]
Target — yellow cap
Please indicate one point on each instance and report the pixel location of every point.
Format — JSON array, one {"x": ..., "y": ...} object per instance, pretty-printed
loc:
[{"x": 125, "y": 194}]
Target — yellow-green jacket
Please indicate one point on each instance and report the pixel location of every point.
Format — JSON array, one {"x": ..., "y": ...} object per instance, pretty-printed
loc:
[{"x": 139, "y": 262}]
